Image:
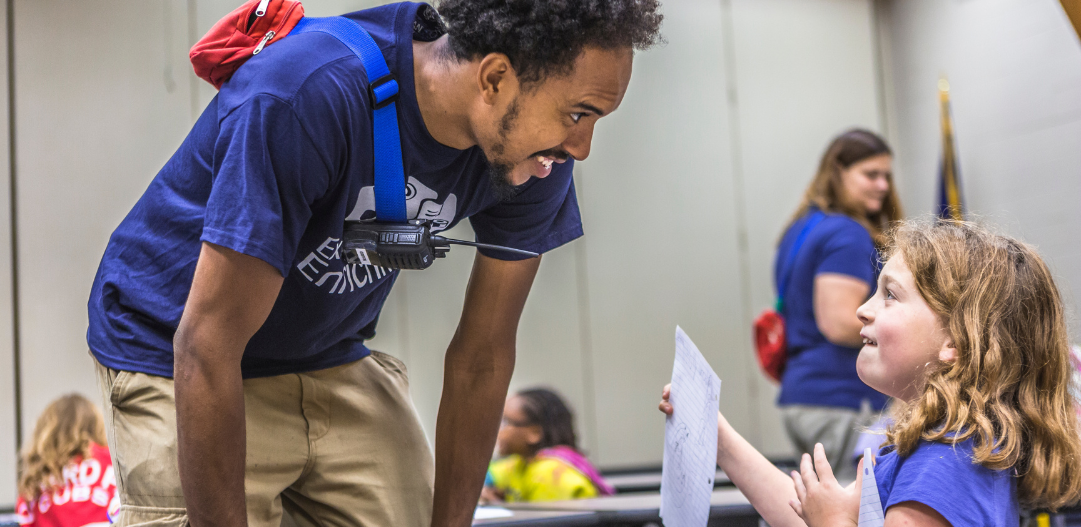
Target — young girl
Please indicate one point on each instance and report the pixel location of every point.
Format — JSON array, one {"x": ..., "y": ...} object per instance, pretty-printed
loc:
[
  {"x": 66, "y": 473},
  {"x": 967, "y": 332},
  {"x": 539, "y": 456}
]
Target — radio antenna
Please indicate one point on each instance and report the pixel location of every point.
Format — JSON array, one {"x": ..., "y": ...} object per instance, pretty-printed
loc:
[{"x": 440, "y": 239}]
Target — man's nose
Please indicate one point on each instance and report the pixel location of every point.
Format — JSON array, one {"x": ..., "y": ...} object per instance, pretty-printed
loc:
[{"x": 579, "y": 141}]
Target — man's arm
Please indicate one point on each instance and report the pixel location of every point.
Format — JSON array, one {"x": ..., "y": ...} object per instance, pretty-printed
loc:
[
  {"x": 477, "y": 371},
  {"x": 231, "y": 296}
]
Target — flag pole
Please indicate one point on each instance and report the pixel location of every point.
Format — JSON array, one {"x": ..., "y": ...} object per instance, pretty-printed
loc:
[{"x": 949, "y": 159}]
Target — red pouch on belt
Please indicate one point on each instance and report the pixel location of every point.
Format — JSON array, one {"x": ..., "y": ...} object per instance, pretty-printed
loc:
[
  {"x": 242, "y": 34},
  {"x": 769, "y": 343}
]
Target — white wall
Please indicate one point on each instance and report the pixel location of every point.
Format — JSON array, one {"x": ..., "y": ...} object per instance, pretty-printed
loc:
[
  {"x": 804, "y": 72},
  {"x": 682, "y": 199},
  {"x": 96, "y": 117},
  {"x": 1014, "y": 68}
]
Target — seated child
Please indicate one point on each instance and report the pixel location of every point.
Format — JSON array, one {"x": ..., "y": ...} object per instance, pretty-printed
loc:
[
  {"x": 967, "y": 332},
  {"x": 66, "y": 475},
  {"x": 539, "y": 458}
]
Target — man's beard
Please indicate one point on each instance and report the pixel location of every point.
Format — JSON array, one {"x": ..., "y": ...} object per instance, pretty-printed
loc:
[
  {"x": 498, "y": 177},
  {"x": 499, "y": 171}
]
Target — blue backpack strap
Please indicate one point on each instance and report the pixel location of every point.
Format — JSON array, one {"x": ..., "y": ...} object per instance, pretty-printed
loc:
[
  {"x": 382, "y": 94},
  {"x": 790, "y": 261}
]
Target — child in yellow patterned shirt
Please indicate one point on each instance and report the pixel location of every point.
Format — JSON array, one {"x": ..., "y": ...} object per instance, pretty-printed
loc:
[{"x": 539, "y": 458}]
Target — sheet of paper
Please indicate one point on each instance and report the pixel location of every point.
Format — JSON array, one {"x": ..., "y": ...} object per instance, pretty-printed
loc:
[
  {"x": 690, "y": 438},
  {"x": 870, "y": 502},
  {"x": 488, "y": 513}
]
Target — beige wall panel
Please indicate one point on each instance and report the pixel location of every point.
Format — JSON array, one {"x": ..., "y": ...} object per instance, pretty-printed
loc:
[
  {"x": 102, "y": 102},
  {"x": 1014, "y": 68},
  {"x": 550, "y": 342},
  {"x": 659, "y": 210},
  {"x": 8, "y": 454},
  {"x": 805, "y": 70},
  {"x": 422, "y": 312}
]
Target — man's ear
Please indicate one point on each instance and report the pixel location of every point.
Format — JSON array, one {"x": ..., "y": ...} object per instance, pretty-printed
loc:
[
  {"x": 496, "y": 78},
  {"x": 948, "y": 353}
]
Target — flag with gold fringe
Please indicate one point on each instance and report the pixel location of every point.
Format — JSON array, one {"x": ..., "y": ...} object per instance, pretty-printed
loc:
[{"x": 950, "y": 204}]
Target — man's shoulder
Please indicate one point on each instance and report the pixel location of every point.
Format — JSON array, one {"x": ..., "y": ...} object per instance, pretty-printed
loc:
[
  {"x": 302, "y": 64},
  {"x": 316, "y": 63}
]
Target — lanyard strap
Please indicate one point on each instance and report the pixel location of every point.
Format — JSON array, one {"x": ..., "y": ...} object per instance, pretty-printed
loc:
[
  {"x": 790, "y": 262},
  {"x": 382, "y": 94}
]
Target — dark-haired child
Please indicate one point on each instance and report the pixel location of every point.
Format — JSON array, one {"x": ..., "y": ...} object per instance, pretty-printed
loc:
[{"x": 539, "y": 458}]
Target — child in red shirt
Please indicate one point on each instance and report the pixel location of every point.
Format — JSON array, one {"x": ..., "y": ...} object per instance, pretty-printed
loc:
[{"x": 67, "y": 477}]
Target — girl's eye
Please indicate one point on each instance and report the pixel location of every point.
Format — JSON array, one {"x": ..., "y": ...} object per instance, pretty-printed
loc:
[{"x": 889, "y": 295}]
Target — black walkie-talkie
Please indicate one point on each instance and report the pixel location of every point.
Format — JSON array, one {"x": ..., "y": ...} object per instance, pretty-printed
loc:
[{"x": 409, "y": 245}]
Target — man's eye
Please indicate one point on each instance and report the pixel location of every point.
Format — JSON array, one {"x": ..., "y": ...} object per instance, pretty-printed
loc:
[{"x": 576, "y": 116}]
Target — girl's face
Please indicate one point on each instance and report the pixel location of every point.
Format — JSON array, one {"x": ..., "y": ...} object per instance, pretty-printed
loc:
[
  {"x": 516, "y": 434},
  {"x": 867, "y": 182},
  {"x": 901, "y": 335}
]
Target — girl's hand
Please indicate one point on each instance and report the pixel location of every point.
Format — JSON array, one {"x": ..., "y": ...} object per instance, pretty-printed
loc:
[
  {"x": 490, "y": 495},
  {"x": 666, "y": 406},
  {"x": 822, "y": 501}
]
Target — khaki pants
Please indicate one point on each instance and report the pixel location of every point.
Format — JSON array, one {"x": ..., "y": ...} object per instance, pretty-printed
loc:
[
  {"x": 838, "y": 429},
  {"x": 341, "y": 446}
]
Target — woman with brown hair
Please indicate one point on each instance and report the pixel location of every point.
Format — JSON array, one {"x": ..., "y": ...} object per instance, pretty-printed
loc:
[
  {"x": 825, "y": 268},
  {"x": 66, "y": 475}
]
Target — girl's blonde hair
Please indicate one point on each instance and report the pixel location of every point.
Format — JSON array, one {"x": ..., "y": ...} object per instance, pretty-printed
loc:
[
  {"x": 1008, "y": 389},
  {"x": 64, "y": 430},
  {"x": 826, "y": 191}
]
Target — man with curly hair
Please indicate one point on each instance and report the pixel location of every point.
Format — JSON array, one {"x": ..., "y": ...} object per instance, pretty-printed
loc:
[{"x": 229, "y": 332}]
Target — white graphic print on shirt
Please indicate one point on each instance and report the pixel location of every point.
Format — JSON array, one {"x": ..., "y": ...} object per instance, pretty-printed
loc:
[{"x": 421, "y": 203}]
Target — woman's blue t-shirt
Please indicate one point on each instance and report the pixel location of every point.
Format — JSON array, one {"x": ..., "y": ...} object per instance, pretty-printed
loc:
[
  {"x": 945, "y": 478},
  {"x": 272, "y": 169},
  {"x": 819, "y": 372}
]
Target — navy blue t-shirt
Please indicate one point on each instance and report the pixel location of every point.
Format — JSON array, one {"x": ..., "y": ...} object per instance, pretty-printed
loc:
[
  {"x": 273, "y": 167},
  {"x": 945, "y": 478},
  {"x": 819, "y": 372}
]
